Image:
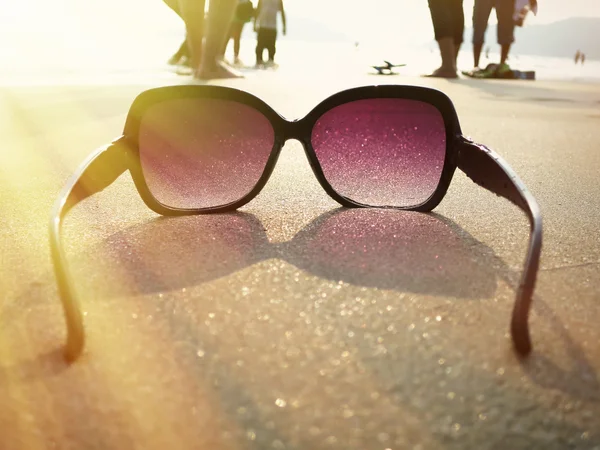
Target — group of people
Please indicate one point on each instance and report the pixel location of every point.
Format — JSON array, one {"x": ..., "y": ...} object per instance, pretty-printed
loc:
[
  {"x": 207, "y": 35},
  {"x": 580, "y": 57},
  {"x": 449, "y": 23},
  {"x": 204, "y": 47}
]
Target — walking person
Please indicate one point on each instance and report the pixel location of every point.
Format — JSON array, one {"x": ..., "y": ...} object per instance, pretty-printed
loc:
[
  {"x": 265, "y": 24},
  {"x": 448, "y": 21}
]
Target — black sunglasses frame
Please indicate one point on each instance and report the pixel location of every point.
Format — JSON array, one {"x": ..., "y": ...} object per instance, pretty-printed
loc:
[
  {"x": 285, "y": 130},
  {"x": 479, "y": 163}
]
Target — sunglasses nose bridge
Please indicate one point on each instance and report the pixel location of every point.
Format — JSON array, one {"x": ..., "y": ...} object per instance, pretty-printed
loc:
[{"x": 295, "y": 129}]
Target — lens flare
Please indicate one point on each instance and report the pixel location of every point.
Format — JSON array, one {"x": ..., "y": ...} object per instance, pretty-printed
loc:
[{"x": 202, "y": 152}]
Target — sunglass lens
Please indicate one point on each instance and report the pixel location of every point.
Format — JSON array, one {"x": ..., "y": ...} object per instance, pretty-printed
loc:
[
  {"x": 203, "y": 152},
  {"x": 382, "y": 152}
]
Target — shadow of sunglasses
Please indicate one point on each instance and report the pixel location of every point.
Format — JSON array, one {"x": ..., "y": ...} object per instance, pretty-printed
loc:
[{"x": 403, "y": 251}]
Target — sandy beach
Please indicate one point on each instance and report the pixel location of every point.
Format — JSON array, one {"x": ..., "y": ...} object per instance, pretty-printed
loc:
[{"x": 263, "y": 329}]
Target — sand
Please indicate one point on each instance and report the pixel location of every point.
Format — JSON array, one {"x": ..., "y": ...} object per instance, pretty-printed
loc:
[{"x": 296, "y": 324}]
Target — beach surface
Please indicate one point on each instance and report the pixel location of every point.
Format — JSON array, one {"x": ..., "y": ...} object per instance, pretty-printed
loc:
[{"x": 294, "y": 323}]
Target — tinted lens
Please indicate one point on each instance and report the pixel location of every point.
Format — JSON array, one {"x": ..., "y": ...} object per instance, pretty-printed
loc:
[
  {"x": 201, "y": 152},
  {"x": 382, "y": 152}
]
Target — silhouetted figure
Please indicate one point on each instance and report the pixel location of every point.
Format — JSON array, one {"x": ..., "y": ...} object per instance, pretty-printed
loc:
[
  {"x": 265, "y": 24},
  {"x": 448, "y": 24},
  {"x": 481, "y": 13},
  {"x": 243, "y": 13},
  {"x": 577, "y": 57}
]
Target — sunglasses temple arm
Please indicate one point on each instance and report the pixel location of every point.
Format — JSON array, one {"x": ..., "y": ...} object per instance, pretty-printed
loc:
[
  {"x": 99, "y": 171},
  {"x": 487, "y": 169}
]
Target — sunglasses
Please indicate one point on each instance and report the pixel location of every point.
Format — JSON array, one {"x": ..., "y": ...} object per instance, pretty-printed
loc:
[{"x": 211, "y": 149}]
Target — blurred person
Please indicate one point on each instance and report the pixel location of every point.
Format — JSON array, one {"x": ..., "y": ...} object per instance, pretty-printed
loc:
[
  {"x": 205, "y": 45},
  {"x": 265, "y": 24},
  {"x": 244, "y": 13},
  {"x": 506, "y": 36},
  {"x": 448, "y": 21}
]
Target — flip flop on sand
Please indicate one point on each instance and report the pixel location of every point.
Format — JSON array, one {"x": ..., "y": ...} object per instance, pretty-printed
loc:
[
  {"x": 491, "y": 71},
  {"x": 504, "y": 71}
]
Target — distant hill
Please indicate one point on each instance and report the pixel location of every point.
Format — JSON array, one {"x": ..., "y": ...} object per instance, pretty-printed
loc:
[{"x": 560, "y": 39}]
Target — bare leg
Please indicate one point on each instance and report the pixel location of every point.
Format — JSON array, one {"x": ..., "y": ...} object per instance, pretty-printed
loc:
[
  {"x": 235, "y": 33},
  {"x": 220, "y": 15},
  {"x": 192, "y": 13},
  {"x": 237, "y": 36},
  {"x": 477, "y": 54},
  {"x": 456, "y": 52},
  {"x": 224, "y": 50},
  {"x": 504, "y": 50},
  {"x": 182, "y": 52},
  {"x": 449, "y": 53}
]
